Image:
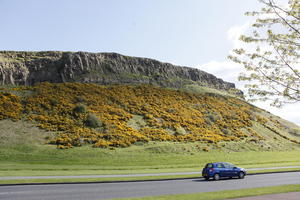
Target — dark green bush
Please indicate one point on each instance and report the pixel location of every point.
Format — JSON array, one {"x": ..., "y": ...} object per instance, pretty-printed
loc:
[
  {"x": 92, "y": 121},
  {"x": 79, "y": 99},
  {"x": 225, "y": 131},
  {"x": 80, "y": 108},
  {"x": 212, "y": 118},
  {"x": 54, "y": 102}
]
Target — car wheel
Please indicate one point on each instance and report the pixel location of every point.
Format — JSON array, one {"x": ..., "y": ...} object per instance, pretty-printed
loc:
[
  {"x": 216, "y": 177},
  {"x": 241, "y": 175},
  {"x": 206, "y": 178}
]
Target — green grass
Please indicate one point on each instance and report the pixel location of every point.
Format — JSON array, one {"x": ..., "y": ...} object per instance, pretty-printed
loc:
[
  {"x": 150, "y": 158},
  {"x": 225, "y": 194},
  {"x": 195, "y": 88}
]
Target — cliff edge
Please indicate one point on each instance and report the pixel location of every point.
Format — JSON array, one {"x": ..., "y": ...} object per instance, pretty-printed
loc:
[{"x": 28, "y": 68}]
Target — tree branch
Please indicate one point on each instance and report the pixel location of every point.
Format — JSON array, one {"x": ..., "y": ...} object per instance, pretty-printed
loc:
[
  {"x": 272, "y": 6},
  {"x": 283, "y": 60},
  {"x": 287, "y": 12},
  {"x": 275, "y": 81}
]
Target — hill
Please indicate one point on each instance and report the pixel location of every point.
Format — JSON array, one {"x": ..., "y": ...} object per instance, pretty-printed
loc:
[
  {"x": 109, "y": 100},
  {"x": 121, "y": 115}
]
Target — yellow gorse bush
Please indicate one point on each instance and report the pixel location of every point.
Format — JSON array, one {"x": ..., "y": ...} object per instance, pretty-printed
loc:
[
  {"x": 10, "y": 106},
  {"x": 169, "y": 115}
]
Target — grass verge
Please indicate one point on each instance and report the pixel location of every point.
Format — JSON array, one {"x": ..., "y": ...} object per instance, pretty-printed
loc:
[
  {"x": 225, "y": 194},
  {"x": 150, "y": 158}
]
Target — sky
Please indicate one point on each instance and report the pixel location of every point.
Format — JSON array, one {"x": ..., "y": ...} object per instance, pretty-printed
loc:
[{"x": 194, "y": 33}]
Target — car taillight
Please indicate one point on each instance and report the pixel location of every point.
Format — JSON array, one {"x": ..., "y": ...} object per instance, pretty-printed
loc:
[{"x": 211, "y": 169}]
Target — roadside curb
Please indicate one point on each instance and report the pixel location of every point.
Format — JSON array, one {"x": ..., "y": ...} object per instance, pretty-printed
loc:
[{"x": 129, "y": 181}]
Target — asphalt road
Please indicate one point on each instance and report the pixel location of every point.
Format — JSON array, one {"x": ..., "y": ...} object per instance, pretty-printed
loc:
[
  {"x": 138, "y": 189},
  {"x": 129, "y": 175}
]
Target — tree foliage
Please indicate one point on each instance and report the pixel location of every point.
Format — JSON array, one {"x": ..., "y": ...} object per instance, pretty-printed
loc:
[{"x": 271, "y": 53}]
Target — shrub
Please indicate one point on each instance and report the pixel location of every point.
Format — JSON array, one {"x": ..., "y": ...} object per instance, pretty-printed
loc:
[
  {"x": 225, "y": 131},
  {"x": 206, "y": 149},
  {"x": 80, "y": 108},
  {"x": 92, "y": 121},
  {"x": 54, "y": 102},
  {"x": 179, "y": 130},
  {"x": 102, "y": 144},
  {"x": 10, "y": 106},
  {"x": 79, "y": 99},
  {"x": 192, "y": 117},
  {"x": 212, "y": 118}
]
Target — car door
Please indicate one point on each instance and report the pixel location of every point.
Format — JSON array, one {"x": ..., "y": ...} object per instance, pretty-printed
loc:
[
  {"x": 229, "y": 171},
  {"x": 221, "y": 169},
  {"x": 235, "y": 170}
]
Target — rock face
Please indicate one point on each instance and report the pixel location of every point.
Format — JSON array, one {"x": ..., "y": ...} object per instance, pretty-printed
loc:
[{"x": 28, "y": 68}]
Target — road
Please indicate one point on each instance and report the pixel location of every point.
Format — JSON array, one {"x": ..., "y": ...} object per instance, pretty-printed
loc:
[
  {"x": 130, "y": 175},
  {"x": 99, "y": 191}
]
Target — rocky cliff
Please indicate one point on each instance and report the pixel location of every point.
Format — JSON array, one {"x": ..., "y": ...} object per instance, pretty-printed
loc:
[{"x": 28, "y": 68}]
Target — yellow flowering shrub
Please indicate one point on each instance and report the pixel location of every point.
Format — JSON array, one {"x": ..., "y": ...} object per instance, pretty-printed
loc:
[
  {"x": 10, "y": 106},
  {"x": 169, "y": 115}
]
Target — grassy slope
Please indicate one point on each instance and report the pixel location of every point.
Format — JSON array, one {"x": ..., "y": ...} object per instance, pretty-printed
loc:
[{"x": 29, "y": 157}]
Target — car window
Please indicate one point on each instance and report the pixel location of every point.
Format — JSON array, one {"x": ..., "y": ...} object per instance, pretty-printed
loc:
[
  {"x": 228, "y": 165},
  {"x": 209, "y": 165},
  {"x": 220, "y": 165}
]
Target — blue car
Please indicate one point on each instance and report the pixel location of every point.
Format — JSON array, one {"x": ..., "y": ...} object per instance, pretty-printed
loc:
[{"x": 222, "y": 169}]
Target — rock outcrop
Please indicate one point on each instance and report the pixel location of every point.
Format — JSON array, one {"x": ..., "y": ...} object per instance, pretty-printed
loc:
[{"x": 28, "y": 68}]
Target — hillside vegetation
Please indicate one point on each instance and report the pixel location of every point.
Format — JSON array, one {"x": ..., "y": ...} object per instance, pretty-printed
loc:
[{"x": 121, "y": 115}]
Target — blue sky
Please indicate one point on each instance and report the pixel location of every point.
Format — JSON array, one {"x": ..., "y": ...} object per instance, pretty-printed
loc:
[
  {"x": 195, "y": 33},
  {"x": 184, "y": 32}
]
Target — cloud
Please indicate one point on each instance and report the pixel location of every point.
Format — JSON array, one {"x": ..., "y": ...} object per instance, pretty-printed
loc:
[
  {"x": 234, "y": 33},
  {"x": 226, "y": 70}
]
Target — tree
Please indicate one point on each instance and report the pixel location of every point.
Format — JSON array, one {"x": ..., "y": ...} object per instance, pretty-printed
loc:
[{"x": 272, "y": 54}]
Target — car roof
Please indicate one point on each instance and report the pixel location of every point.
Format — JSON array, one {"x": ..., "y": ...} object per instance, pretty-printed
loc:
[{"x": 220, "y": 162}]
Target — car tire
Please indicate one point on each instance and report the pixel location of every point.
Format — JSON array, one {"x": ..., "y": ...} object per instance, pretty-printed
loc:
[
  {"x": 241, "y": 175},
  {"x": 206, "y": 178},
  {"x": 216, "y": 177}
]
